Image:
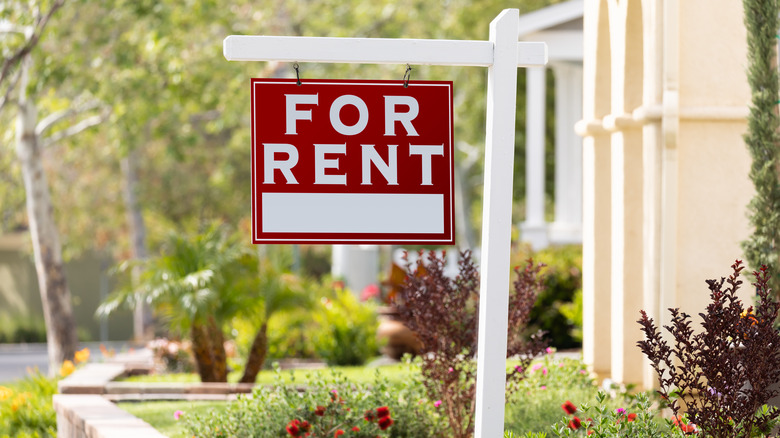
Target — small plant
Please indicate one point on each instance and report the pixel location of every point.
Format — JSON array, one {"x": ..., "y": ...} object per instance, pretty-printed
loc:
[
  {"x": 443, "y": 313},
  {"x": 26, "y": 408},
  {"x": 334, "y": 419},
  {"x": 534, "y": 401},
  {"x": 171, "y": 356},
  {"x": 330, "y": 406},
  {"x": 346, "y": 333},
  {"x": 725, "y": 374},
  {"x": 635, "y": 420}
]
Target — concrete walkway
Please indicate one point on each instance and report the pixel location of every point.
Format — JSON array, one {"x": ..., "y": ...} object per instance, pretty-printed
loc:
[{"x": 15, "y": 359}]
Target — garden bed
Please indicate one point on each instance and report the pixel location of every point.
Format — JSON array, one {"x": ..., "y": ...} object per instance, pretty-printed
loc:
[{"x": 534, "y": 408}]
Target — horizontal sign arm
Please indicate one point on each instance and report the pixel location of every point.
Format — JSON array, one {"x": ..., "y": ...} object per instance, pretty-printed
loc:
[{"x": 375, "y": 51}]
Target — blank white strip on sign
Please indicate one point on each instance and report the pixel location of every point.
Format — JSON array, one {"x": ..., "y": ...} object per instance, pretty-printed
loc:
[{"x": 352, "y": 213}]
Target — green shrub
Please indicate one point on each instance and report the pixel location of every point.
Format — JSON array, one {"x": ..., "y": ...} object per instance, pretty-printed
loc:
[
  {"x": 290, "y": 335},
  {"x": 328, "y": 404},
  {"x": 26, "y": 407},
  {"x": 315, "y": 261},
  {"x": 22, "y": 330},
  {"x": 346, "y": 333},
  {"x": 557, "y": 310}
]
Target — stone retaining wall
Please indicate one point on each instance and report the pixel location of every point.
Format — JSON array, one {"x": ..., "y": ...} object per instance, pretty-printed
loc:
[
  {"x": 85, "y": 403},
  {"x": 92, "y": 416}
]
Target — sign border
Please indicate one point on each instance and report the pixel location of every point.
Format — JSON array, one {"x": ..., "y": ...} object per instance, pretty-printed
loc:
[{"x": 448, "y": 236}]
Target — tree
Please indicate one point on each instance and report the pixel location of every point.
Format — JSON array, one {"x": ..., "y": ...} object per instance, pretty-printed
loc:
[
  {"x": 762, "y": 138},
  {"x": 15, "y": 77},
  {"x": 193, "y": 287}
]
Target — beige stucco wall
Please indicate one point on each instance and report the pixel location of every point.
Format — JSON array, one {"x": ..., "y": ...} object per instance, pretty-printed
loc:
[
  {"x": 679, "y": 181},
  {"x": 713, "y": 192}
]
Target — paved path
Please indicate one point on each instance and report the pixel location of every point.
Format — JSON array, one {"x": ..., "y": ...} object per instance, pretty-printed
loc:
[{"x": 15, "y": 359}]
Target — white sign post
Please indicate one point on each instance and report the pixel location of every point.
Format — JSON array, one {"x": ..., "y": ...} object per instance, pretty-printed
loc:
[{"x": 502, "y": 54}]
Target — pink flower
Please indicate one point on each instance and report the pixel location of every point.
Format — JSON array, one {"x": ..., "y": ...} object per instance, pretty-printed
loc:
[
  {"x": 518, "y": 368},
  {"x": 369, "y": 292},
  {"x": 544, "y": 371},
  {"x": 543, "y": 387},
  {"x": 437, "y": 403},
  {"x": 450, "y": 370},
  {"x": 536, "y": 367},
  {"x": 177, "y": 415},
  {"x": 549, "y": 350}
]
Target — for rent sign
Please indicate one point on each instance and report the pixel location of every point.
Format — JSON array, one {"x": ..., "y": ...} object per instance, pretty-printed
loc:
[{"x": 356, "y": 161}]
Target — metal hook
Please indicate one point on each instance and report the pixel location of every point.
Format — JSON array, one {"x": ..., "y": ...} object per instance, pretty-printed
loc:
[
  {"x": 297, "y": 73},
  {"x": 407, "y": 75}
]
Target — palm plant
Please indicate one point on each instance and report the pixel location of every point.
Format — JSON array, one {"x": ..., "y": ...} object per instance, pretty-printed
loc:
[
  {"x": 195, "y": 285},
  {"x": 276, "y": 290}
]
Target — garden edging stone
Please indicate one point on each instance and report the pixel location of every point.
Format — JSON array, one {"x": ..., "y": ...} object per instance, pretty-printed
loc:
[
  {"x": 86, "y": 408},
  {"x": 92, "y": 416}
]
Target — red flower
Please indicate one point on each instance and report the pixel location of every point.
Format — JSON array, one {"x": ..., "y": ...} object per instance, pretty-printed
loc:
[
  {"x": 575, "y": 423},
  {"x": 631, "y": 417},
  {"x": 369, "y": 416},
  {"x": 686, "y": 428},
  {"x": 305, "y": 426},
  {"x": 385, "y": 422},
  {"x": 382, "y": 412},
  {"x": 355, "y": 429},
  {"x": 293, "y": 429},
  {"x": 338, "y": 433},
  {"x": 320, "y": 411},
  {"x": 569, "y": 407}
]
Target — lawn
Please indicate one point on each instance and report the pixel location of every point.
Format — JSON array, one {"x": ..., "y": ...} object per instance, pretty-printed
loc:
[
  {"x": 160, "y": 414},
  {"x": 361, "y": 374}
]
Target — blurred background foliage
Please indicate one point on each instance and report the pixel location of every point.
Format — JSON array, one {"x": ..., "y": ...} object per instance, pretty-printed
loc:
[
  {"x": 182, "y": 111},
  {"x": 558, "y": 308}
]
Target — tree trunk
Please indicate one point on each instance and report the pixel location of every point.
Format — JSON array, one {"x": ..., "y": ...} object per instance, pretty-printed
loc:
[
  {"x": 143, "y": 323},
  {"x": 55, "y": 296},
  {"x": 201, "y": 349},
  {"x": 218, "y": 351},
  {"x": 254, "y": 363}
]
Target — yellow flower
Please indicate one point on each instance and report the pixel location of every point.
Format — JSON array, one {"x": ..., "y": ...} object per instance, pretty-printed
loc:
[
  {"x": 67, "y": 368},
  {"x": 5, "y": 393},
  {"x": 19, "y": 400},
  {"x": 81, "y": 355}
]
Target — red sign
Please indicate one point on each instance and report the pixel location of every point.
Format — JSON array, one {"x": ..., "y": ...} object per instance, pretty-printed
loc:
[{"x": 358, "y": 161}]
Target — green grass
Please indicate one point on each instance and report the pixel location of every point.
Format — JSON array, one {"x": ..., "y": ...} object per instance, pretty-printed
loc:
[
  {"x": 160, "y": 413},
  {"x": 394, "y": 373}
]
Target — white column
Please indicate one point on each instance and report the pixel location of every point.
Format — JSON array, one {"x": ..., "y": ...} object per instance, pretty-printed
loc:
[
  {"x": 627, "y": 254},
  {"x": 596, "y": 251},
  {"x": 534, "y": 229},
  {"x": 567, "y": 227},
  {"x": 357, "y": 265}
]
